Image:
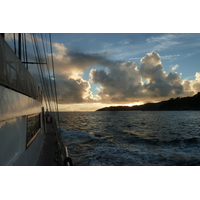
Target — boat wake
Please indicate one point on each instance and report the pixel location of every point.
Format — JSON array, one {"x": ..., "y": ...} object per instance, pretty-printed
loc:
[{"x": 97, "y": 150}]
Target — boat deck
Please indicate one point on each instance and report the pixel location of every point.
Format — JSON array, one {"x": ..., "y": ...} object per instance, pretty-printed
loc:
[{"x": 49, "y": 153}]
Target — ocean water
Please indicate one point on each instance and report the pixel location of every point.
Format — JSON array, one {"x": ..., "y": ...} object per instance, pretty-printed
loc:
[{"x": 132, "y": 138}]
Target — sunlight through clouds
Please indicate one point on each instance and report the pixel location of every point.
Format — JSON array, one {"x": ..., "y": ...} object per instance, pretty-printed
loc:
[
  {"x": 123, "y": 81},
  {"x": 119, "y": 81}
]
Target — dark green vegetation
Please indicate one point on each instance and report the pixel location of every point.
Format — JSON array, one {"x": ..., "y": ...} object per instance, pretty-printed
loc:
[{"x": 185, "y": 103}]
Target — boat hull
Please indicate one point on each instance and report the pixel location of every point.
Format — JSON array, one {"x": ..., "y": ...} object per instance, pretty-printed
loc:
[{"x": 15, "y": 108}]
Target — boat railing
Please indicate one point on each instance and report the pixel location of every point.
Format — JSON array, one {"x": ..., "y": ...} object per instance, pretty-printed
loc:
[{"x": 64, "y": 158}]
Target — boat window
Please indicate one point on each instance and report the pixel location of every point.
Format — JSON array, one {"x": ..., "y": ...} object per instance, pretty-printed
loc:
[
  {"x": 13, "y": 76},
  {"x": 11, "y": 70},
  {"x": 5, "y": 70},
  {"x": 33, "y": 128}
]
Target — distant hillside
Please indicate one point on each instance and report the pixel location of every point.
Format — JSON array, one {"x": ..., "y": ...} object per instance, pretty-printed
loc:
[{"x": 184, "y": 103}]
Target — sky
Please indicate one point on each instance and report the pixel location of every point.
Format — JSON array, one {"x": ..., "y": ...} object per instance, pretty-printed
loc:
[{"x": 94, "y": 70}]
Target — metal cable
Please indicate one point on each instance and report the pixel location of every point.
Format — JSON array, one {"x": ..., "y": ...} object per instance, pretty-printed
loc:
[{"x": 54, "y": 78}]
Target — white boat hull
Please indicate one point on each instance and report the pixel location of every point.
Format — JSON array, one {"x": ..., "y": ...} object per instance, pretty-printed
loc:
[{"x": 14, "y": 109}]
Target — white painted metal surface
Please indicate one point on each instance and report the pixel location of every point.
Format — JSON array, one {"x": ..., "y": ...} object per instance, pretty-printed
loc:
[
  {"x": 12, "y": 140},
  {"x": 14, "y": 108},
  {"x": 30, "y": 156},
  {"x": 13, "y": 149}
]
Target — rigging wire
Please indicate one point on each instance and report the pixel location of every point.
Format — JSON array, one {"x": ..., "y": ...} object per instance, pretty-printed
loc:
[
  {"x": 26, "y": 51},
  {"x": 45, "y": 85},
  {"x": 39, "y": 73},
  {"x": 23, "y": 47},
  {"x": 50, "y": 92},
  {"x": 15, "y": 50},
  {"x": 48, "y": 74},
  {"x": 12, "y": 39},
  {"x": 54, "y": 78},
  {"x": 42, "y": 49}
]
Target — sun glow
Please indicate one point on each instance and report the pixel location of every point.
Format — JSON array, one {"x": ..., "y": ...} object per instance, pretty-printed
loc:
[{"x": 133, "y": 104}]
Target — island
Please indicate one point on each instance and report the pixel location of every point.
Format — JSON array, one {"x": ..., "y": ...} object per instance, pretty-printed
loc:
[{"x": 184, "y": 103}]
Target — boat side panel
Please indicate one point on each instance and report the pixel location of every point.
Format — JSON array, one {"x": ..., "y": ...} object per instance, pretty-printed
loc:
[
  {"x": 14, "y": 104},
  {"x": 14, "y": 109},
  {"x": 13, "y": 150},
  {"x": 14, "y": 75},
  {"x": 12, "y": 139},
  {"x": 30, "y": 156}
]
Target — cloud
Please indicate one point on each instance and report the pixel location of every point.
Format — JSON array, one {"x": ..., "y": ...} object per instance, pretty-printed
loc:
[
  {"x": 120, "y": 83},
  {"x": 165, "y": 37},
  {"x": 170, "y": 57},
  {"x": 151, "y": 66},
  {"x": 72, "y": 64},
  {"x": 162, "y": 42},
  {"x": 123, "y": 81},
  {"x": 126, "y": 41},
  {"x": 193, "y": 86},
  {"x": 136, "y": 58},
  {"x": 160, "y": 84},
  {"x": 173, "y": 68},
  {"x": 196, "y": 82},
  {"x": 106, "y": 45},
  {"x": 73, "y": 90}
]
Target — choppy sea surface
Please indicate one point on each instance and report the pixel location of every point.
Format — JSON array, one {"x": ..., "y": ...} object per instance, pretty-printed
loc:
[{"x": 132, "y": 138}]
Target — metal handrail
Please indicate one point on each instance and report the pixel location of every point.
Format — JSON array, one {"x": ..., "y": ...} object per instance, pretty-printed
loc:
[{"x": 64, "y": 158}]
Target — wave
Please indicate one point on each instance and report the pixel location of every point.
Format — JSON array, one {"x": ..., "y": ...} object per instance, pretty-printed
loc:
[
  {"x": 75, "y": 136},
  {"x": 132, "y": 138},
  {"x": 129, "y": 150}
]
